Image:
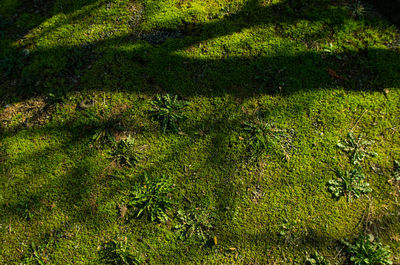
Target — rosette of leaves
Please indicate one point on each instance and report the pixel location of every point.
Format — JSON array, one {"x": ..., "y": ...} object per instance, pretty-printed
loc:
[
  {"x": 349, "y": 184},
  {"x": 117, "y": 252},
  {"x": 357, "y": 148},
  {"x": 317, "y": 259},
  {"x": 366, "y": 251},
  {"x": 102, "y": 126},
  {"x": 152, "y": 198},
  {"x": 263, "y": 136},
  {"x": 124, "y": 152},
  {"x": 194, "y": 223},
  {"x": 168, "y": 110}
]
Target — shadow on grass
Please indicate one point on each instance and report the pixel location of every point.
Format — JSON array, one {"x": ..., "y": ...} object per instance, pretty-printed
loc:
[{"x": 162, "y": 68}]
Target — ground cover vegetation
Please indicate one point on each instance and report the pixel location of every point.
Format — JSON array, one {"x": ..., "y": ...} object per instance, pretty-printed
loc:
[{"x": 199, "y": 132}]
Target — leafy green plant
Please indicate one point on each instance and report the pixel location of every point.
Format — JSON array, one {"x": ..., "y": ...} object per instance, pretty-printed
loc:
[
  {"x": 357, "y": 148},
  {"x": 117, "y": 252},
  {"x": 152, "y": 198},
  {"x": 349, "y": 184},
  {"x": 167, "y": 110},
  {"x": 357, "y": 9},
  {"x": 194, "y": 223},
  {"x": 317, "y": 259},
  {"x": 264, "y": 136},
  {"x": 124, "y": 153},
  {"x": 102, "y": 126},
  {"x": 366, "y": 251}
]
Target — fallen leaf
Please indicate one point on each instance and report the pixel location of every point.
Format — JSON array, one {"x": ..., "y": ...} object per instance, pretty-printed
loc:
[
  {"x": 123, "y": 210},
  {"x": 215, "y": 240}
]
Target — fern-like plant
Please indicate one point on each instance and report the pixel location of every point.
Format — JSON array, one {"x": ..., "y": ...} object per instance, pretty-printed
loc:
[
  {"x": 152, "y": 198},
  {"x": 168, "y": 110},
  {"x": 357, "y": 148},
  {"x": 349, "y": 184},
  {"x": 366, "y": 251}
]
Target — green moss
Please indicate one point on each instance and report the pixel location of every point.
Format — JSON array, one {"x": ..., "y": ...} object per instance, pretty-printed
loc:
[{"x": 311, "y": 69}]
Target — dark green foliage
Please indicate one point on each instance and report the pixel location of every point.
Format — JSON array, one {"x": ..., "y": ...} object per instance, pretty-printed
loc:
[
  {"x": 124, "y": 152},
  {"x": 317, "y": 259},
  {"x": 396, "y": 170},
  {"x": 366, "y": 251},
  {"x": 349, "y": 184},
  {"x": 102, "y": 126},
  {"x": 357, "y": 148},
  {"x": 26, "y": 208},
  {"x": 168, "y": 110},
  {"x": 152, "y": 198},
  {"x": 272, "y": 79},
  {"x": 117, "y": 252},
  {"x": 265, "y": 136},
  {"x": 11, "y": 63},
  {"x": 194, "y": 223}
]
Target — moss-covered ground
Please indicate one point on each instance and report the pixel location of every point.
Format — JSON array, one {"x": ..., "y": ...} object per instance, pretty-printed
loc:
[{"x": 315, "y": 69}]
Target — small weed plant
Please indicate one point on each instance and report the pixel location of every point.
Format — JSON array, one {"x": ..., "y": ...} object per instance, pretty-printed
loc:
[
  {"x": 124, "y": 152},
  {"x": 168, "y": 110},
  {"x": 349, "y": 184},
  {"x": 102, "y": 126},
  {"x": 152, "y": 198},
  {"x": 264, "y": 136},
  {"x": 366, "y": 251},
  {"x": 117, "y": 252},
  {"x": 357, "y": 148},
  {"x": 317, "y": 259},
  {"x": 194, "y": 223}
]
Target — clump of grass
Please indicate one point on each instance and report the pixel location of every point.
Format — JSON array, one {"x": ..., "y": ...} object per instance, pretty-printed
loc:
[
  {"x": 152, "y": 198},
  {"x": 168, "y": 110},
  {"x": 102, "y": 126},
  {"x": 317, "y": 259},
  {"x": 349, "y": 184},
  {"x": 357, "y": 148},
  {"x": 194, "y": 223},
  {"x": 117, "y": 252},
  {"x": 124, "y": 153},
  {"x": 264, "y": 136},
  {"x": 366, "y": 251}
]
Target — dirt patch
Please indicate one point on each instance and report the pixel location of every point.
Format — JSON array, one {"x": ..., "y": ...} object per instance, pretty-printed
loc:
[{"x": 27, "y": 113}]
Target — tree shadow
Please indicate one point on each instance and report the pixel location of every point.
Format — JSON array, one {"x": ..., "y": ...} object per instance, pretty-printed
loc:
[{"x": 167, "y": 67}]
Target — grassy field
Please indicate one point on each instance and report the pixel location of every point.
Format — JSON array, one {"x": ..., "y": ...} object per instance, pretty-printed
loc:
[{"x": 266, "y": 91}]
